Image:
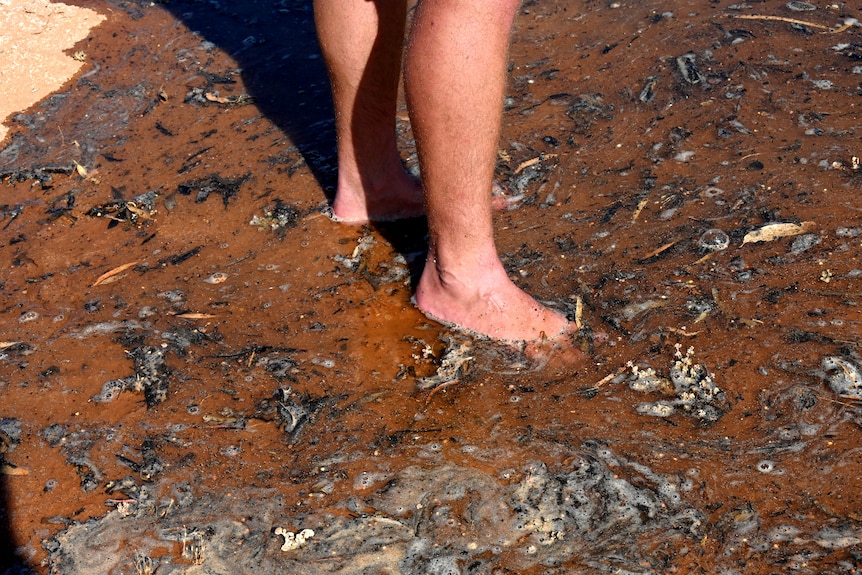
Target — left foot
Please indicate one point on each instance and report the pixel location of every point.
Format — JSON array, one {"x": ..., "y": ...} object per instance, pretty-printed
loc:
[{"x": 401, "y": 198}]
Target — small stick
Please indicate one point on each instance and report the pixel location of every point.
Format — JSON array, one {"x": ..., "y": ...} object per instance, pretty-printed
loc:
[
  {"x": 526, "y": 164},
  {"x": 844, "y": 403},
  {"x": 777, "y": 19},
  {"x": 849, "y": 23},
  {"x": 682, "y": 332},
  {"x": 707, "y": 257},
  {"x": 195, "y": 315},
  {"x": 608, "y": 377},
  {"x": 438, "y": 388},
  {"x": 641, "y": 205},
  {"x": 658, "y": 251},
  {"x": 579, "y": 311}
]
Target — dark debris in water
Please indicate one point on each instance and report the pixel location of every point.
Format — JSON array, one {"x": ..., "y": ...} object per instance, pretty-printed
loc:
[
  {"x": 296, "y": 410},
  {"x": 843, "y": 376},
  {"x": 278, "y": 218},
  {"x": 136, "y": 211},
  {"x": 75, "y": 445},
  {"x": 203, "y": 96},
  {"x": 151, "y": 376},
  {"x": 587, "y": 110},
  {"x": 202, "y": 188},
  {"x": 44, "y": 175},
  {"x": 587, "y": 513}
]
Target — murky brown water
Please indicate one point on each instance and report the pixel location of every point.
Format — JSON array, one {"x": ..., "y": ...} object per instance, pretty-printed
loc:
[{"x": 236, "y": 379}]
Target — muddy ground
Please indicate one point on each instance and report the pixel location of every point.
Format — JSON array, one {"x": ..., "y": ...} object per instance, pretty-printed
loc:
[{"x": 197, "y": 366}]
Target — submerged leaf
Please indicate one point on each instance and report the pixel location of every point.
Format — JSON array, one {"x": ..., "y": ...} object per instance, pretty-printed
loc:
[
  {"x": 105, "y": 277},
  {"x": 771, "y": 232}
]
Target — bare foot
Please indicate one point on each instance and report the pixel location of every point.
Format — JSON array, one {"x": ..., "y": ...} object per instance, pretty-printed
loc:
[
  {"x": 569, "y": 350},
  {"x": 487, "y": 303},
  {"x": 397, "y": 198}
]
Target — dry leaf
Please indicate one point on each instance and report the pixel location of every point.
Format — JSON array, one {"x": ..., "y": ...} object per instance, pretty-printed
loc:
[
  {"x": 218, "y": 99},
  {"x": 82, "y": 171},
  {"x": 5, "y": 344},
  {"x": 193, "y": 315},
  {"x": 8, "y": 469},
  {"x": 771, "y": 232},
  {"x": 526, "y": 164},
  {"x": 119, "y": 269},
  {"x": 658, "y": 251}
]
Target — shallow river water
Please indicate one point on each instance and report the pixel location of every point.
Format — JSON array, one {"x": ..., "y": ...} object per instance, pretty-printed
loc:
[{"x": 201, "y": 373}]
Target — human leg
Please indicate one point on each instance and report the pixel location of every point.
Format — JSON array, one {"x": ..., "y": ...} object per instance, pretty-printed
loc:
[
  {"x": 455, "y": 78},
  {"x": 362, "y": 44}
]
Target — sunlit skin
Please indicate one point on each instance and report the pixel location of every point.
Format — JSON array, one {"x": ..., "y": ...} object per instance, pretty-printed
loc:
[{"x": 455, "y": 78}]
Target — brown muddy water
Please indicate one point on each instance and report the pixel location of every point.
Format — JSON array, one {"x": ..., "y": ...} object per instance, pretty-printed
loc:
[{"x": 198, "y": 367}]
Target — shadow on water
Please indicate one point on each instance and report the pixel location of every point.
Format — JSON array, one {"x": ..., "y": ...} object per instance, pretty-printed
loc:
[
  {"x": 10, "y": 563},
  {"x": 7, "y": 543},
  {"x": 275, "y": 45}
]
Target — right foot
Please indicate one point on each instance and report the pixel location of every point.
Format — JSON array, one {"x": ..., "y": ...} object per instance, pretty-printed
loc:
[{"x": 491, "y": 306}]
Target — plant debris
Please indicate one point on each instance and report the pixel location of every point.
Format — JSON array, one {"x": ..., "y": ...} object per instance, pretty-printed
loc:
[{"x": 227, "y": 188}]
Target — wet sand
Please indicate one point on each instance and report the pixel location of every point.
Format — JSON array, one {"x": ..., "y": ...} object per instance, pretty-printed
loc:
[
  {"x": 36, "y": 47},
  {"x": 194, "y": 360}
]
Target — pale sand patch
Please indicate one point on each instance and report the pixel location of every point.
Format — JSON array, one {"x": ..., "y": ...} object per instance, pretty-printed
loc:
[{"x": 34, "y": 35}]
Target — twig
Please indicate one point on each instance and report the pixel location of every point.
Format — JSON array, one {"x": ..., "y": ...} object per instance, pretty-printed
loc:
[
  {"x": 438, "y": 388},
  {"x": 609, "y": 377},
  {"x": 777, "y": 19},
  {"x": 700, "y": 260},
  {"x": 848, "y": 23},
  {"x": 844, "y": 403},
  {"x": 658, "y": 251},
  {"x": 117, "y": 270},
  {"x": 526, "y": 164},
  {"x": 679, "y": 331},
  {"x": 579, "y": 311}
]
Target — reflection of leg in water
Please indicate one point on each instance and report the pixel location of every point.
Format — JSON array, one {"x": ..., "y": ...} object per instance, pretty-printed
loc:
[
  {"x": 455, "y": 77},
  {"x": 361, "y": 41}
]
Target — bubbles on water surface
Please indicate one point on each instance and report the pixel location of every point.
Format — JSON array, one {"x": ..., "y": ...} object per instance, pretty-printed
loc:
[
  {"x": 713, "y": 240},
  {"x": 232, "y": 450},
  {"x": 28, "y": 316},
  {"x": 367, "y": 479},
  {"x": 587, "y": 511},
  {"x": 801, "y": 6}
]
